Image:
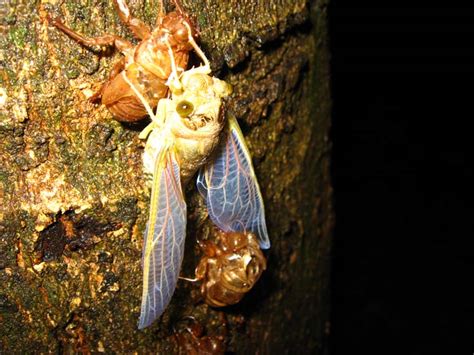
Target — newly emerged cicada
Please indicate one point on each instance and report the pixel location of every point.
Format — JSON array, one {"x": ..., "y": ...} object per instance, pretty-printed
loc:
[
  {"x": 184, "y": 136},
  {"x": 147, "y": 65},
  {"x": 230, "y": 267}
]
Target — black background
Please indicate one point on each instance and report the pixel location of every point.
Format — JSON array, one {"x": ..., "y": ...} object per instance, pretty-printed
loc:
[{"x": 403, "y": 79}]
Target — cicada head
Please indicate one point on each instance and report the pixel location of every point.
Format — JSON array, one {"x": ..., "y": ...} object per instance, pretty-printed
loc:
[
  {"x": 199, "y": 101},
  {"x": 194, "y": 117},
  {"x": 198, "y": 110}
]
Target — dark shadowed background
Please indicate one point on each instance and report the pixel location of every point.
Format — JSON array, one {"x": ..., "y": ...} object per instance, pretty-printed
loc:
[{"x": 402, "y": 171}]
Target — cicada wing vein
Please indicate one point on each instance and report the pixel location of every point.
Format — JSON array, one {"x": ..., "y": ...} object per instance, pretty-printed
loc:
[
  {"x": 230, "y": 187},
  {"x": 164, "y": 239}
]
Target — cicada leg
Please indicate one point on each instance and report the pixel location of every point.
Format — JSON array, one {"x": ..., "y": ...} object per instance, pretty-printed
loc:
[
  {"x": 189, "y": 279},
  {"x": 209, "y": 251},
  {"x": 137, "y": 26},
  {"x": 173, "y": 80},
  {"x": 161, "y": 14},
  {"x": 206, "y": 68},
  {"x": 179, "y": 8},
  {"x": 107, "y": 40}
]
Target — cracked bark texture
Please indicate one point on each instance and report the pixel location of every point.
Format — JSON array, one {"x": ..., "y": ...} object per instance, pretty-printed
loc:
[{"x": 73, "y": 202}]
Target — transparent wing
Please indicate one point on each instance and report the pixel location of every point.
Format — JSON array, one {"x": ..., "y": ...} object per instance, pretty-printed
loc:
[
  {"x": 164, "y": 238},
  {"x": 231, "y": 190}
]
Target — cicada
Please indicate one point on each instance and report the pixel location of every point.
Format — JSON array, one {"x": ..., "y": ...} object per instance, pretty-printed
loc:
[
  {"x": 184, "y": 136},
  {"x": 147, "y": 65},
  {"x": 230, "y": 267}
]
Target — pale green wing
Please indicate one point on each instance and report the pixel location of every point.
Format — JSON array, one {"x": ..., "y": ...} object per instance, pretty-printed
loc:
[
  {"x": 164, "y": 238},
  {"x": 230, "y": 187}
]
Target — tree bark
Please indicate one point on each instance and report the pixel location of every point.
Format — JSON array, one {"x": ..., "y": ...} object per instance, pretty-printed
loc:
[{"x": 73, "y": 200}]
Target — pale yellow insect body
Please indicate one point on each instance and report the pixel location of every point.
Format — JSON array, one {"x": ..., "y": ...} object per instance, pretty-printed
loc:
[
  {"x": 182, "y": 135},
  {"x": 191, "y": 120},
  {"x": 184, "y": 132}
]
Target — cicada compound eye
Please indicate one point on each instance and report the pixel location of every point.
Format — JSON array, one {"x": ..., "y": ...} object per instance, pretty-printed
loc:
[{"x": 184, "y": 108}]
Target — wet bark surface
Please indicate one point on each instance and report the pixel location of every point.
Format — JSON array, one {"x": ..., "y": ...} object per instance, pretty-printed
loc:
[{"x": 74, "y": 204}]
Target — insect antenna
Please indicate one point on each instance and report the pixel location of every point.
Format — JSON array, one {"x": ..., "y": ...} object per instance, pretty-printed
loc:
[
  {"x": 161, "y": 12},
  {"x": 198, "y": 50},
  {"x": 173, "y": 80}
]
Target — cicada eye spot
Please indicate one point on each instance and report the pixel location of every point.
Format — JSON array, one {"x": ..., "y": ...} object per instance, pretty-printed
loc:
[{"x": 184, "y": 108}]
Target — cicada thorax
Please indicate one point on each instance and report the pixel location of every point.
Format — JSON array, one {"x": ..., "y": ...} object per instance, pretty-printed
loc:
[
  {"x": 153, "y": 54},
  {"x": 195, "y": 132},
  {"x": 230, "y": 268},
  {"x": 197, "y": 120},
  {"x": 149, "y": 70},
  {"x": 195, "y": 151},
  {"x": 148, "y": 67},
  {"x": 147, "y": 64}
]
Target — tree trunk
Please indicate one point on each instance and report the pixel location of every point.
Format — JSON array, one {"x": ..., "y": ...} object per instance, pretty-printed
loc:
[{"x": 73, "y": 200}]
